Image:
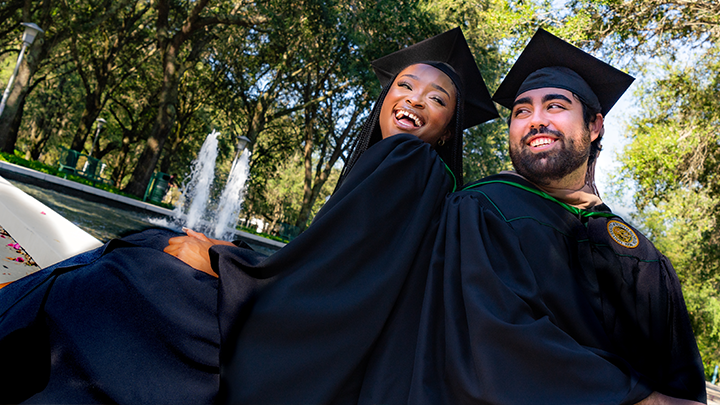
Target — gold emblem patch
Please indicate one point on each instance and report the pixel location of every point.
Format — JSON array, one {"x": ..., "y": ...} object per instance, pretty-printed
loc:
[{"x": 622, "y": 234}]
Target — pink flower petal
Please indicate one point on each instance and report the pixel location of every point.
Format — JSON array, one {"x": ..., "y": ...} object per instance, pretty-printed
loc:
[{"x": 43, "y": 213}]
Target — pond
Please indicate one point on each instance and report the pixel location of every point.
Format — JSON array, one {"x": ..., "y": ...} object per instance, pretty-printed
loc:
[{"x": 102, "y": 221}]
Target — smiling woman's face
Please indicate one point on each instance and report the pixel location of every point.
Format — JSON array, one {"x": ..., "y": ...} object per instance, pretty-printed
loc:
[{"x": 420, "y": 102}]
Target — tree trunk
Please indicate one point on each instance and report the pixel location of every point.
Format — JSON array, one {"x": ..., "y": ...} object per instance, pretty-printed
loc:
[
  {"x": 39, "y": 134},
  {"x": 12, "y": 114},
  {"x": 161, "y": 129},
  {"x": 90, "y": 113},
  {"x": 308, "y": 189},
  {"x": 119, "y": 170},
  {"x": 312, "y": 191}
]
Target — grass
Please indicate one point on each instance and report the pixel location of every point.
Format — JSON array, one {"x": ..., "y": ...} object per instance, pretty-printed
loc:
[
  {"x": 52, "y": 170},
  {"x": 264, "y": 235}
]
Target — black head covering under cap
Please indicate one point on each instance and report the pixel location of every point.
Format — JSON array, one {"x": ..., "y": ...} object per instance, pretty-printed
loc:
[
  {"x": 548, "y": 61},
  {"x": 449, "y": 47}
]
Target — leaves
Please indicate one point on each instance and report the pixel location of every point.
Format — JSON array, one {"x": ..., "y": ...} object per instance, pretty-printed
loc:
[
  {"x": 672, "y": 162},
  {"x": 290, "y": 75}
]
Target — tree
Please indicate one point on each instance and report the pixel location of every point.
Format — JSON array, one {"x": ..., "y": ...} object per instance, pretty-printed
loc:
[
  {"x": 175, "y": 26},
  {"x": 58, "y": 28},
  {"x": 650, "y": 26},
  {"x": 672, "y": 162},
  {"x": 106, "y": 56},
  {"x": 10, "y": 14}
]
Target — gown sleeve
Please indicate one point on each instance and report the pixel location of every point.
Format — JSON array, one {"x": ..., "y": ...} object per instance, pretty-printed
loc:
[
  {"x": 643, "y": 310},
  {"x": 487, "y": 335},
  {"x": 309, "y": 336}
]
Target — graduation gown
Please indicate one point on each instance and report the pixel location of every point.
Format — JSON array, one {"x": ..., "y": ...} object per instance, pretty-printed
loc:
[
  {"x": 125, "y": 323},
  {"x": 331, "y": 317},
  {"x": 339, "y": 323},
  {"x": 533, "y": 301}
]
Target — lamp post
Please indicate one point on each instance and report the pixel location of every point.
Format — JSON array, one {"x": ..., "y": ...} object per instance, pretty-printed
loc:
[
  {"x": 100, "y": 123},
  {"x": 243, "y": 142},
  {"x": 31, "y": 31}
]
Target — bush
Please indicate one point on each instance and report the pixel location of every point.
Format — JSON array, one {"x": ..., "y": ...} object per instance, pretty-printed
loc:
[{"x": 43, "y": 168}]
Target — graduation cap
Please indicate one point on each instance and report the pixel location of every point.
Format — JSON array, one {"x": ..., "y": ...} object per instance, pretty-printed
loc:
[
  {"x": 548, "y": 61},
  {"x": 451, "y": 48}
]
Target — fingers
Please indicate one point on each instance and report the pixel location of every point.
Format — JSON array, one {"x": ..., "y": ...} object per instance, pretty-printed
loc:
[
  {"x": 201, "y": 236},
  {"x": 177, "y": 240},
  {"x": 197, "y": 235}
]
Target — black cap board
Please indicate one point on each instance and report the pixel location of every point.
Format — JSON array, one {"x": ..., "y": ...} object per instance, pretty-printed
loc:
[
  {"x": 548, "y": 61},
  {"x": 449, "y": 47}
]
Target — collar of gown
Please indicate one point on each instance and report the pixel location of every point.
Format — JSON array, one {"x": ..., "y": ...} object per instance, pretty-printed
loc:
[{"x": 583, "y": 198}]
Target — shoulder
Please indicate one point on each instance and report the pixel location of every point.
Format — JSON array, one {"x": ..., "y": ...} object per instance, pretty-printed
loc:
[
  {"x": 514, "y": 198},
  {"x": 624, "y": 239},
  {"x": 402, "y": 157}
]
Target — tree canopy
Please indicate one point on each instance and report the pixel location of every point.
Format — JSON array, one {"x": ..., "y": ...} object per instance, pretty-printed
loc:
[
  {"x": 294, "y": 77},
  {"x": 671, "y": 157}
]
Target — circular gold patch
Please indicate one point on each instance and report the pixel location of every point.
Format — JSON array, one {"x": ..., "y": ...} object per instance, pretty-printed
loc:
[{"x": 622, "y": 234}]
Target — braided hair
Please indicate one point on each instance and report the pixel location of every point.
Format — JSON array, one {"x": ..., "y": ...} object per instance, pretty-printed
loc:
[{"x": 450, "y": 152}]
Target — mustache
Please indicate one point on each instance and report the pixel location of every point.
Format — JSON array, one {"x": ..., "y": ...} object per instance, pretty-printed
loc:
[{"x": 544, "y": 131}]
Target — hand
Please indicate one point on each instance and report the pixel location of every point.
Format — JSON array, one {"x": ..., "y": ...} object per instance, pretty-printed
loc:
[
  {"x": 193, "y": 250},
  {"x": 202, "y": 237},
  {"x": 657, "y": 398}
]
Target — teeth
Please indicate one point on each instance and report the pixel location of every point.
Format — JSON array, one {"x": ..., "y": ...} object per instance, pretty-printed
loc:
[
  {"x": 402, "y": 113},
  {"x": 541, "y": 142}
]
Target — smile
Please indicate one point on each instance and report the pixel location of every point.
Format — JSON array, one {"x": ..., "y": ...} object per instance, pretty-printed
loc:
[
  {"x": 541, "y": 141},
  {"x": 407, "y": 116}
]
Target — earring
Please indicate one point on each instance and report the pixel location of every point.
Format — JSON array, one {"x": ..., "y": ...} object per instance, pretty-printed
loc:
[{"x": 441, "y": 142}]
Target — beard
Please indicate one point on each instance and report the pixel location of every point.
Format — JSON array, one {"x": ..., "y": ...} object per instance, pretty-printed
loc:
[{"x": 544, "y": 167}]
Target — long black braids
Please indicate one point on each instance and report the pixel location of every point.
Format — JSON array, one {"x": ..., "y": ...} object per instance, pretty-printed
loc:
[
  {"x": 450, "y": 152},
  {"x": 369, "y": 135}
]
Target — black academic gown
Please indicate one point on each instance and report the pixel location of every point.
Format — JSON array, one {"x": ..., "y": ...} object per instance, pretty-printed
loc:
[
  {"x": 530, "y": 301},
  {"x": 127, "y": 323},
  {"x": 339, "y": 323}
]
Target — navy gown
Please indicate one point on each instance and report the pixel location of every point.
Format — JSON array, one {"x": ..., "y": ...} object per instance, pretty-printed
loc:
[{"x": 331, "y": 317}]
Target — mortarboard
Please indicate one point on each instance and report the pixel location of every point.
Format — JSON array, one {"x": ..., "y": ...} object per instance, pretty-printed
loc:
[
  {"x": 548, "y": 61},
  {"x": 451, "y": 48}
]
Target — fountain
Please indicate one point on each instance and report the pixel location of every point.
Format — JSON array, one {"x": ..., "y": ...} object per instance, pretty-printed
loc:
[
  {"x": 232, "y": 196},
  {"x": 196, "y": 192},
  {"x": 106, "y": 216}
]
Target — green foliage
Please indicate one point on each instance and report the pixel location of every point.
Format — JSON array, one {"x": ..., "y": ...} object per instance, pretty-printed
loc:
[
  {"x": 292, "y": 76},
  {"x": 649, "y": 27},
  {"x": 52, "y": 170},
  {"x": 672, "y": 161},
  {"x": 264, "y": 235}
]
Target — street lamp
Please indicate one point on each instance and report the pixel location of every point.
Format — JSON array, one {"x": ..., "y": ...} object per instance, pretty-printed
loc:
[
  {"x": 100, "y": 123},
  {"x": 243, "y": 141},
  {"x": 31, "y": 31}
]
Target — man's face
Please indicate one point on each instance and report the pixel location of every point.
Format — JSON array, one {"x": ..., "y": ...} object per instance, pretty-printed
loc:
[
  {"x": 420, "y": 102},
  {"x": 548, "y": 138}
]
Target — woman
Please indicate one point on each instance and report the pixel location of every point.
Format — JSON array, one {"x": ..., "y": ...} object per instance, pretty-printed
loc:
[
  {"x": 137, "y": 326},
  {"x": 340, "y": 323}
]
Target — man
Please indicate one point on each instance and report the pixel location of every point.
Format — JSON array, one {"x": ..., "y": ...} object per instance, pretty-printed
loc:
[{"x": 538, "y": 293}]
